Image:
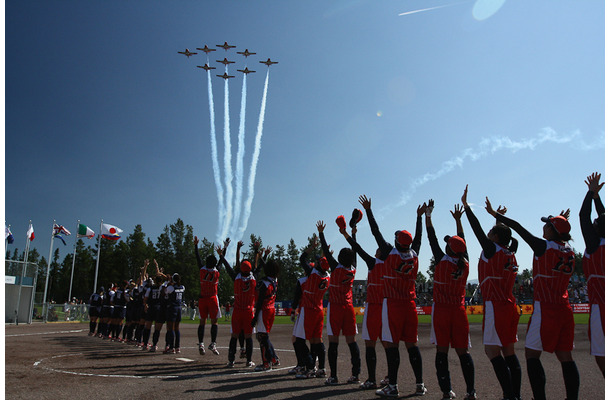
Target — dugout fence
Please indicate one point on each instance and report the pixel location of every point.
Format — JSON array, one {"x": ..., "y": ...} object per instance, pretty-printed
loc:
[{"x": 19, "y": 285}]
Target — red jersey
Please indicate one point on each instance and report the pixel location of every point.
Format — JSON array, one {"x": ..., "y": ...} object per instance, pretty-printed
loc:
[
  {"x": 314, "y": 289},
  {"x": 270, "y": 285},
  {"x": 497, "y": 275},
  {"x": 593, "y": 266},
  {"x": 399, "y": 274},
  {"x": 244, "y": 290},
  {"x": 208, "y": 282},
  {"x": 374, "y": 288},
  {"x": 341, "y": 282},
  {"x": 552, "y": 273},
  {"x": 449, "y": 282}
]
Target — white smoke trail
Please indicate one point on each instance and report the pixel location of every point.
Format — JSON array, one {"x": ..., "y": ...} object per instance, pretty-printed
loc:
[
  {"x": 487, "y": 147},
  {"x": 215, "y": 166},
  {"x": 432, "y": 8},
  {"x": 228, "y": 168},
  {"x": 239, "y": 168},
  {"x": 257, "y": 150}
]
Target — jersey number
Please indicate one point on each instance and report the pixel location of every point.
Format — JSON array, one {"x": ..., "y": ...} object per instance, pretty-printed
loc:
[
  {"x": 564, "y": 265},
  {"x": 405, "y": 267}
]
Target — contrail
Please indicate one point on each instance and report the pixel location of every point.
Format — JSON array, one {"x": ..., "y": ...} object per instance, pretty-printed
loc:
[
  {"x": 215, "y": 166},
  {"x": 228, "y": 169},
  {"x": 257, "y": 150},
  {"x": 432, "y": 8},
  {"x": 239, "y": 173},
  {"x": 487, "y": 147}
]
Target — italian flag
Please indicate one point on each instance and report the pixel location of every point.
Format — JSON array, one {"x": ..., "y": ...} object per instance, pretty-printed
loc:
[{"x": 85, "y": 231}]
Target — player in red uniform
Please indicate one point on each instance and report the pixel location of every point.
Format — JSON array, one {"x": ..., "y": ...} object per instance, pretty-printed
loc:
[
  {"x": 310, "y": 323},
  {"x": 371, "y": 324},
  {"x": 399, "y": 315},
  {"x": 551, "y": 326},
  {"x": 208, "y": 297},
  {"x": 497, "y": 272},
  {"x": 264, "y": 313},
  {"x": 593, "y": 264},
  {"x": 340, "y": 315},
  {"x": 449, "y": 321},
  {"x": 244, "y": 288}
]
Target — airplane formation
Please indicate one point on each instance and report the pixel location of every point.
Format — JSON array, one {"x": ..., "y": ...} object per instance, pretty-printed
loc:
[{"x": 225, "y": 62}]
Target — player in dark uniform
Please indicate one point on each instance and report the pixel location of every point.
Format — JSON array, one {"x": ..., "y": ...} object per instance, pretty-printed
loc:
[
  {"x": 175, "y": 294},
  {"x": 449, "y": 321},
  {"x": 107, "y": 308},
  {"x": 399, "y": 315},
  {"x": 340, "y": 314},
  {"x": 154, "y": 312},
  {"x": 551, "y": 326},
  {"x": 594, "y": 266},
  {"x": 95, "y": 309},
  {"x": 497, "y": 271}
]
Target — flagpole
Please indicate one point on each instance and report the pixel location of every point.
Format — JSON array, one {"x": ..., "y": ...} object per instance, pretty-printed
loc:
[
  {"x": 73, "y": 261},
  {"x": 46, "y": 283},
  {"x": 25, "y": 263},
  {"x": 97, "y": 262}
]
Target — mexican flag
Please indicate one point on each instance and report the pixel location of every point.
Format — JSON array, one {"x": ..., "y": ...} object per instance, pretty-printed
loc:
[{"x": 85, "y": 231}]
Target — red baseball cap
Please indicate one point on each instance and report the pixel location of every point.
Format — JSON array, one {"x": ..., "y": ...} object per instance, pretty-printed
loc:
[
  {"x": 456, "y": 244},
  {"x": 245, "y": 266},
  {"x": 403, "y": 238},
  {"x": 560, "y": 223},
  {"x": 324, "y": 264}
]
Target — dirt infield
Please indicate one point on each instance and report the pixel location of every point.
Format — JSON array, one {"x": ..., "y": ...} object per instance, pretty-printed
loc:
[{"x": 59, "y": 361}]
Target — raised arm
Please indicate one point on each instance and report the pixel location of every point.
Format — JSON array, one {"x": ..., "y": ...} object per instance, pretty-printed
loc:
[
  {"x": 586, "y": 225},
  {"x": 196, "y": 242},
  {"x": 370, "y": 261},
  {"x": 221, "y": 256},
  {"x": 384, "y": 247},
  {"x": 437, "y": 252},
  {"x": 537, "y": 244},
  {"x": 325, "y": 249},
  {"x": 489, "y": 247},
  {"x": 418, "y": 228}
]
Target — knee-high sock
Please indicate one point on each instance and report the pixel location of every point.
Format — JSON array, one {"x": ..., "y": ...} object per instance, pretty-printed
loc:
[
  {"x": 263, "y": 343},
  {"x": 503, "y": 375},
  {"x": 177, "y": 339},
  {"x": 354, "y": 351},
  {"x": 571, "y": 379},
  {"x": 515, "y": 373},
  {"x": 232, "y": 349},
  {"x": 214, "y": 332},
  {"x": 156, "y": 335},
  {"x": 442, "y": 371},
  {"x": 332, "y": 358},
  {"x": 319, "y": 351},
  {"x": 371, "y": 362},
  {"x": 304, "y": 357},
  {"x": 249, "y": 347},
  {"x": 169, "y": 338},
  {"x": 139, "y": 330},
  {"x": 393, "y": 357},
  {"x": 535, "y": 372},
  {"x": 416, "y": 363},
  {"x": 100, "y": 328},
  {"x": 468, "y": 371},
  {"x": 241, "y": 339},
  {"x": 145, "y": 335},
  {"x": 92, "y": 326},
  {"x": 297, "y": 353},
  {"x": 200, "y": 331}
]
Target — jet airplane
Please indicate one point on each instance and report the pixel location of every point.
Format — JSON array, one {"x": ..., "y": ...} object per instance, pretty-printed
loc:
[
  {"x": 206, "y": 67},
  {"x": 245, "y": 53},
  {"x": 225, "y": 46},
  {"x": 225, "y": 61},
  {"x": 206, "y": 49},
  {"x": 225, "y": 76},
  {"x": 186, "y": 52},
  {"x": 268, "y": 62},
  {"x": 246, "y": 71}
]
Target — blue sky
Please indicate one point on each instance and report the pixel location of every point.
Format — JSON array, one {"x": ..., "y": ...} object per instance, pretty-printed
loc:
[{"x": 104, "y": 120}]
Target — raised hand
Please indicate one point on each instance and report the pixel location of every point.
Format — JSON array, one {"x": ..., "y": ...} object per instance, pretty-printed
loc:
[
  {"x": 196, "y": 240},
  {"x": 489, "y": 208},
  {"x": 366, "y": 202},
  {"x": 593, "y": 184},
  {"x": 465, "y": 197},
  {"x": 501, "y": 210},
  {"x": 430, "y": 207},
  {"x": 320, "y": 225},
  {"x": 421, "y": 210},
  {"x": 565, "y": 214},
  {"x": 457, "y": 212}
]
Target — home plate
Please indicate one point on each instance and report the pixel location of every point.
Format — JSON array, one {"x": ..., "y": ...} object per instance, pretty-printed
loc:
[{"x": 184, "y": 359}]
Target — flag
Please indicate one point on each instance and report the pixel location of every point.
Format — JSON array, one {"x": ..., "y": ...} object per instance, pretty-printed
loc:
[
  {"x": 58, "y": 231},
  {"x": 30, "y": 233},
  {"x": 8, "y": 236},
  {"x": 111, "y": 232},
  {"x": 84, "y": 231}
]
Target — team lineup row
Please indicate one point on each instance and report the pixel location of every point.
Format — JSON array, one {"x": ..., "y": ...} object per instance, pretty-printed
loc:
[{"x": 390, "y": 313}]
